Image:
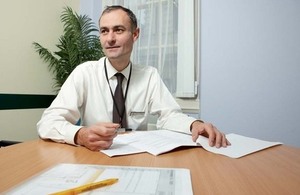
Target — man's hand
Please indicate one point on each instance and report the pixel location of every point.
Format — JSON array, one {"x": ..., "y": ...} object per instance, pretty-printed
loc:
[
  {"x": 215, "y": 137},
  {"x": 97, "y": 137}
]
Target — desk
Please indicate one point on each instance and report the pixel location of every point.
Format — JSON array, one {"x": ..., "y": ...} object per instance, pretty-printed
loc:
[{"x": 272, "y": 171}]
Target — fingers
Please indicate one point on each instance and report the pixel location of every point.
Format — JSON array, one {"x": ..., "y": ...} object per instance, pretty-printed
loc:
[
  {"x": 198, "y": 128},
  {"x": 99, "y": 145},
  {"x": 105, "y": 129},
  {"x": 195, "y": 135},
  {"x": 227, "y": 143},
  {"x": 97, "y": 137},
  {"x": 219, "y": 139},
  {"x": 215, "y": 137}
]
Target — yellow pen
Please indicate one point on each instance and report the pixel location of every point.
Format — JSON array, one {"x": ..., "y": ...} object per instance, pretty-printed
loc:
[{"x": 87, "y": 187}]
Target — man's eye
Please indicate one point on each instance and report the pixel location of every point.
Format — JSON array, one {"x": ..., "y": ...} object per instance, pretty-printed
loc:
[
  {"x": 103, "y": 31},
  {"x": 119, "y": 30}
]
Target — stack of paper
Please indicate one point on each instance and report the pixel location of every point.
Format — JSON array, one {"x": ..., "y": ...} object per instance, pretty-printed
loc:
[{"x": 161, "y": 141}]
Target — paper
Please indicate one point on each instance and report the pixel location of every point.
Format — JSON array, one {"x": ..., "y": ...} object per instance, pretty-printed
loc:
[
  {"x": 154, "y": 142},
  {"x": 240, "y": 145},
  {"x": 132, "y": 180},
  {"x": 161, "y": 141}
]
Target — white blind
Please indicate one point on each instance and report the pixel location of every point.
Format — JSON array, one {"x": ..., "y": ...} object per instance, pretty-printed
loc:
[{"x": 186, "y": 82}]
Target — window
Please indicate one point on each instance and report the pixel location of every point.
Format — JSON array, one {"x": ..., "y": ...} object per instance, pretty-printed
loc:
[{"x": 167, "y": 42}]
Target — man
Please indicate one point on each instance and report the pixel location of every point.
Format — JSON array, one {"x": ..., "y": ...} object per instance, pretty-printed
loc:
[{"x": 88, "y": 94}]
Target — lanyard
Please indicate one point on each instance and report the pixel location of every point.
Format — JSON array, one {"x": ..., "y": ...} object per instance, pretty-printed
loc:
[{"x": 112, "y": 95}]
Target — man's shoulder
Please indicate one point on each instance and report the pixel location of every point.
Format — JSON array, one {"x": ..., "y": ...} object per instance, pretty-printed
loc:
[
  {"x": 90, "y": 65},
  {"x": 141, "y": 72},
  {"x": 143, "y": 68}
]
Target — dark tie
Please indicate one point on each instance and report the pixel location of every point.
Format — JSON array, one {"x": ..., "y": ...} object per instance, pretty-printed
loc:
[{"x": 119, "y": 112}]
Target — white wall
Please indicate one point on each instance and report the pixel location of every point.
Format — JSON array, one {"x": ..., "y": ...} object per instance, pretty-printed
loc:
[
  {"x": 21, "y": 69},
  {"x": 250, "y": 67}
]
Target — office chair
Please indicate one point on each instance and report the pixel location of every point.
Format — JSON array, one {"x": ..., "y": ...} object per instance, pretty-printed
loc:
[{"x": 4, "y": 143}]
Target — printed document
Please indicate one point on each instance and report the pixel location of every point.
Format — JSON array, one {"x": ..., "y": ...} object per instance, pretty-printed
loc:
[
  {"x": 160, "y": 141},
  {"x": 131, "y": 180}
]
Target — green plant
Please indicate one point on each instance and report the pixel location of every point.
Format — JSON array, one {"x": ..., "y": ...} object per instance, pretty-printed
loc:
[{"x": 78, "y": 44}]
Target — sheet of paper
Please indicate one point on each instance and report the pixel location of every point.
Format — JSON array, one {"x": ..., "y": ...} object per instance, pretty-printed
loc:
[
  {"x": 161, "y": 141},
  {"x": 119, "y": 147},
  {"x": 240, "y": 145},
  {"x": 154, "y": 142},
  {"x": 132, "y": 180}
]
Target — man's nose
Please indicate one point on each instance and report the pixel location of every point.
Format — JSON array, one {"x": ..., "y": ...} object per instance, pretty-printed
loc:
[{"x": 111, "y": 37}]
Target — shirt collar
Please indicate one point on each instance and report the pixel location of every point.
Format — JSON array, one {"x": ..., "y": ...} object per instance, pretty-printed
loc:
[{"x": 111, "y": 71}]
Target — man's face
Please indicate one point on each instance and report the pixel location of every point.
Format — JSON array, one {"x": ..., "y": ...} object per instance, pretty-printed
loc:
[{"x": 116, "y": 35}]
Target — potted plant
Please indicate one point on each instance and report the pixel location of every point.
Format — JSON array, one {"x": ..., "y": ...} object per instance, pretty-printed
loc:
[{"x": 79, "y": 43}]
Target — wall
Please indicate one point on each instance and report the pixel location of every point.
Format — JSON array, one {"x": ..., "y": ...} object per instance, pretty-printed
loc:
[
  {"x": 92, "y": 8},
  {"x": 22, "y": 71},
  {"x": 250, "y": 67}
]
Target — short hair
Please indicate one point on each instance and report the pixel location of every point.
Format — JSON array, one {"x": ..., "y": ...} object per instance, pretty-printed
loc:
[{"x": 130, "y": 14}]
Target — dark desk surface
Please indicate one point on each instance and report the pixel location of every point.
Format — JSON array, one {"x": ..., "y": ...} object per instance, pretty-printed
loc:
[{"x": 272, "y": 171}]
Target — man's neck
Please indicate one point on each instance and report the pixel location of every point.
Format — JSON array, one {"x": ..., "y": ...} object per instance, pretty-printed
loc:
[{"x": 119, "y": 65}]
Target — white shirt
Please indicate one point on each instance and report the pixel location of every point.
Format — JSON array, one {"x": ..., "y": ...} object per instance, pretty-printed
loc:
[{"x": 86, "y": 96}]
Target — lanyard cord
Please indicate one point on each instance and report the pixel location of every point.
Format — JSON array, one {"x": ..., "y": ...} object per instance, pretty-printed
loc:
[{"x": 112, "y": 95}]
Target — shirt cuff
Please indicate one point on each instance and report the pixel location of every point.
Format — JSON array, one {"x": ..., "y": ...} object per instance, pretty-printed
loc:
[{"x": 71, "y": 131}]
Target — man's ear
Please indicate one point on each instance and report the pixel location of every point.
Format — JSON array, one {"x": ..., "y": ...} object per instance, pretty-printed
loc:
[{"x": 136, "y": 34}]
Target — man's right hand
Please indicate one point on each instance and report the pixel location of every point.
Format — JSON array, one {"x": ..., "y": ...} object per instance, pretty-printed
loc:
[{"x": 97, "y": 137}]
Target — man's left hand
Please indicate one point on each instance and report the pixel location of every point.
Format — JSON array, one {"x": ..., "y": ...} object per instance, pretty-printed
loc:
[{"x": 215, "y": 137}]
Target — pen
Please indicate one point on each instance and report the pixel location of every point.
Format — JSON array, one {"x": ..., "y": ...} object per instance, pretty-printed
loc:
[{"x": 87, "y": 187}]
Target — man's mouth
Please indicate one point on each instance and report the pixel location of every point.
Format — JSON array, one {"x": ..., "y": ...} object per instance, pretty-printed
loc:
[{"x": 114, "y": 47}]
